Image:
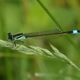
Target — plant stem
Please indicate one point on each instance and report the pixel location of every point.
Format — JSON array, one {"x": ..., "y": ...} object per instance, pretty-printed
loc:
[{"x": 50, "y": 15}]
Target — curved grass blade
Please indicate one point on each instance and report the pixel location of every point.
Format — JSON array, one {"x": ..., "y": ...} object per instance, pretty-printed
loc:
[
  {"x": 62, "y": 56},
  {"x": 50, "y": 15}
]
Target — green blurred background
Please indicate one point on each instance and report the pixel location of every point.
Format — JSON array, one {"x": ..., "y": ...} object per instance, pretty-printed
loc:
[{"x": 27, "y": 16}]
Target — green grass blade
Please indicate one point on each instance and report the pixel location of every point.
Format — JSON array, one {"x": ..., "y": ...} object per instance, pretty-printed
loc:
[{"x": 61, "y": 55}]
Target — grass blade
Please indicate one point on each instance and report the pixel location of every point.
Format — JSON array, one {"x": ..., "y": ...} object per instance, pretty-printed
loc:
[{"x": 61, "y": 55}]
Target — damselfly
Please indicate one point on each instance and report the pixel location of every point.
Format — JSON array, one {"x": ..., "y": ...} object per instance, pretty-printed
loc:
[{"x": 21, "y": 36}]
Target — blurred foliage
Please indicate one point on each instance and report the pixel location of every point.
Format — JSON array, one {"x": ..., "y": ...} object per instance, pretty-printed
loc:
[{"x": 28, "y": 16}]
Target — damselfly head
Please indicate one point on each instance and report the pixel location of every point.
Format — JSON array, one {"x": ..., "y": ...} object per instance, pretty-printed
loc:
[{"x": 10, "y": 36}]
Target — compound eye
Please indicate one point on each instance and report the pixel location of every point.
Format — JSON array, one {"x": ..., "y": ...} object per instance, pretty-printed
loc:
[{"x": 10, "y": 36}]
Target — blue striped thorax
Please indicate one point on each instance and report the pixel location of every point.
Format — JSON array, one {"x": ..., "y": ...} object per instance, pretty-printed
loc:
[{"x": 19, "y": 36}]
